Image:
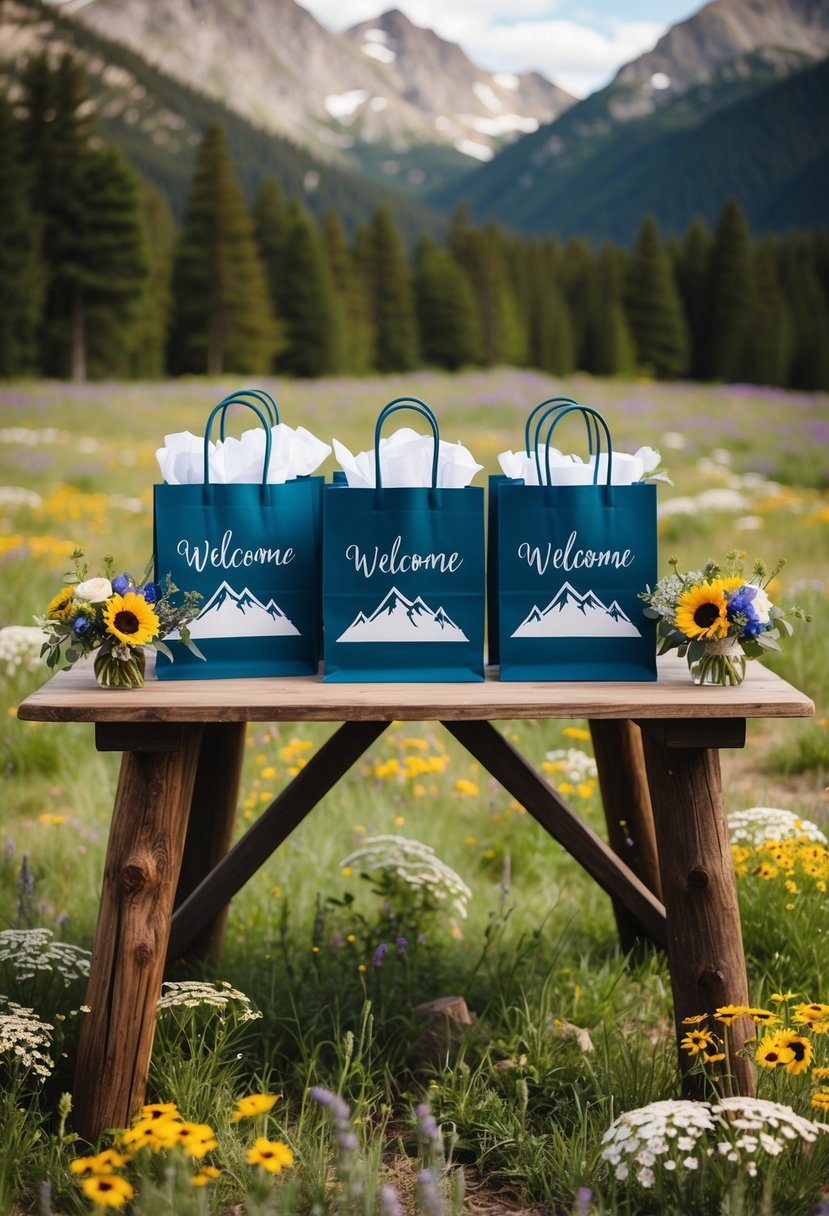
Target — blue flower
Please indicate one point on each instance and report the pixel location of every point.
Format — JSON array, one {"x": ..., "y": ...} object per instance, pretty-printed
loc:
[
  {"x": 152, "y": 593},
  {"x": 80, "y": 626},
  {"x": 121, "y": 583},
  {"x": 741, "y": 604},
  {"x": 378, "y": 954}
]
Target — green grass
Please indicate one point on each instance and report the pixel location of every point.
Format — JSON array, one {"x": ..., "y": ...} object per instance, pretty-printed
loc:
[{"x": 520, "y": 1104}]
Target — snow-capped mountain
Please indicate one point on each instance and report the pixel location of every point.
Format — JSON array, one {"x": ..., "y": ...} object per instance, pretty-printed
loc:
[
  {"x": 571, "y": 615},
  {"x": 398, "y": 619},
  {"x": 236, "y": 614}
]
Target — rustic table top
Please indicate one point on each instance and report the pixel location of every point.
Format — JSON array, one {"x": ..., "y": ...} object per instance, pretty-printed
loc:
[{"x": 73, "y": 696}]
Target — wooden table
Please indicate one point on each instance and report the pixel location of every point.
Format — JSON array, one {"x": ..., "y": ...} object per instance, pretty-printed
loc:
[{"x": 170, "y": 873}]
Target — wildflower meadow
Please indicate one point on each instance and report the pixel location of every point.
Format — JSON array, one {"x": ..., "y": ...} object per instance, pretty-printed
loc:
[{"x": 304, "y": 1071}]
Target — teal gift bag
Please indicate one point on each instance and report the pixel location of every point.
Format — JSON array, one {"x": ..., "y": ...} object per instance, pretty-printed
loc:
[
  {"x": 403, "y": 577},
  {"x": 572, "y": 560},
  {"x": 253, "y": 551}
]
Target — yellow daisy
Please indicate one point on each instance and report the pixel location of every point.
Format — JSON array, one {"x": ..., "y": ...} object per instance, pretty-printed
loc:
[
  {"x": 253, "y": 1105},
  {"x": 107, "y": 1190},
  {"x": 701, "y": 611},
  {"x": 728, "y": 1014},
  {"x": 131, "y": 619},
  {"x": 698, "y": 1040},
  {"x": 272, "y": 1155}
]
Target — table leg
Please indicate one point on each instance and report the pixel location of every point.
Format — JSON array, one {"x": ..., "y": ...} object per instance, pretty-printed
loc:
[
  {"x": 623, "y": 780},
  {"x": 705, "y": 945},
  {"x": 146, "y": 842},
  {"x": 212, "y": 816}
]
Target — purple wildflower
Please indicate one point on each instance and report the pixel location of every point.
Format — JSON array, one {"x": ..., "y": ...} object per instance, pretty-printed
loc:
[
  {"x": 428, "y": 1194},
  {"x": 382, "y": 949},
  {"x": 389, "y": 1202},
  {"x": 402, "y": 945},
  {"x": 584, "y": 1200}
]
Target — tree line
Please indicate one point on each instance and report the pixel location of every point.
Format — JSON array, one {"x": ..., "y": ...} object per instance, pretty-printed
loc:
[{"x": 97, "y": 280}]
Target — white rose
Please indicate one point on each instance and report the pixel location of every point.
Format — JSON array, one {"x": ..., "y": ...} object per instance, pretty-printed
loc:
[
  {"x": 762, "y": 606},
  {"x": 94, "y": 590}
]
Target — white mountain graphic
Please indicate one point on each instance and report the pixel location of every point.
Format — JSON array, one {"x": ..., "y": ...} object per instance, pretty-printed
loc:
[
  {"x": 571, "y": 615},
  {"x": 398, "y": 619},
  {"x": 239, "y": 614}
]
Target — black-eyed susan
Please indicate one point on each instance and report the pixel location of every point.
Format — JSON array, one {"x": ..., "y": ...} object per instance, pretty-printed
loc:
[
  {"x": 252, "y": 1105},
  {"x": 197, "y": 1139},
  {"x": 698, "y": 1040},
  {"x": 61, "y": 606},
  {"x": 820, "y": 1099},
  {"x": 107, "y": 1190},
  {"x": 763, "y": 1017},
  {"x": 272, "y": 1155},
  {"x": 158, "y": 1110},
  {"x": 695, "y": 1019},
  {"x": 701, "y": 611},
  {"x": 801, "y": 1050},
  {"x": 815, "y": 1011},
  {"x": 131, "y": 619},
  {"x": 728, "y": 1014},
  {"x": 770, "y": 1054}
]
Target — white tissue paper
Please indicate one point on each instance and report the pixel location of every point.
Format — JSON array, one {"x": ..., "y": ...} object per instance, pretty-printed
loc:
[
  {"x": 406, "y": 460},
  {"x": 571, "y": 470},
  {"x": 294, "y": 453}
]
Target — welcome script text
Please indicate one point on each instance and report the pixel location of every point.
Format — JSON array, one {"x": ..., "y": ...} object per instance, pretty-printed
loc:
[
  {"x": 571, "y": 557},
  {"x": 229, "y": 556},
  {"x": 367, "y": 561}
]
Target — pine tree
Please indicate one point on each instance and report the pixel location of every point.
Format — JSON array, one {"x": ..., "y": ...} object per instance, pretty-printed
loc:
[
  {"x": 730, "y": 297},
  {"x": 809, "y": 309},
  {"x": 112, "y": 268},
  {"x": 351, "y": 297},
  {"x": 548, "y": 327},
  {"x": 653, "y": 307},
  {"x": 148, "y": 354},
  {"x": 307, "y": 302},
  {"x": 614, "y": 352},
  {"x": 55, "y": 138},
  {"x": 581, "y": 288},
  {"x": 692, "y": 269},
  {"x": 221, "y": 312},
  {"x": 270, "y": 222},
  {"x": 392, "y": 297},
  {"x": 447, "y": 313},
  {"x": 770, "y": 331},
  {"x": 21, "y": 276}
]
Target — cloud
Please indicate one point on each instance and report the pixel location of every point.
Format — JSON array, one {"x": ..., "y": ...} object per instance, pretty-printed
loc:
[{"x": 573, "y": 53}]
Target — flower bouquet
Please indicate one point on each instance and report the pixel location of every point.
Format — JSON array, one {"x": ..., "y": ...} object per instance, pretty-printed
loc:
[
  {"x": 716, "y": 618},
  {"x": 114, "y": 618}
]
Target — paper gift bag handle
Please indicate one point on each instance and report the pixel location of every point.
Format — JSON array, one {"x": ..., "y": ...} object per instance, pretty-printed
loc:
[
  {"x": 223, "y": 405},
  {"x": 587, "y": 412},
  {"x": 418, "y": 407},
  {"x": 265, "y": 400},
  {"x": 551, "y": 404}
]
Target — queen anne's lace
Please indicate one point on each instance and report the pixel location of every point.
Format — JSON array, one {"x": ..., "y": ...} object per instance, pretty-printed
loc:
[
  {"x": 190, "y": 994},
  {"x": 678, "y": 1135},
  {"x": 415, "y": 864},
  {"x": 32, "y": 950},
  {"x": 20, "y": 648},
  {"x": 24, "y": 1038}
]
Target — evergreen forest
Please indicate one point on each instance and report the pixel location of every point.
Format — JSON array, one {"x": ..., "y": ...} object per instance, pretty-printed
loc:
[{"x": 97, "y": 280}]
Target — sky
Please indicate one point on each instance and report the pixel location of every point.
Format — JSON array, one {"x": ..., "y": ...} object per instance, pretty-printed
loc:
[{"x": 579, "y": 45}]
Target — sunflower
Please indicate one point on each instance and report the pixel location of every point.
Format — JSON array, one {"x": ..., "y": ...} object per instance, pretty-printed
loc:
[
  {"x": 130, "y": 619},
  {"x": 60, "y": 606},
  {"x": 701, "y": 611}
]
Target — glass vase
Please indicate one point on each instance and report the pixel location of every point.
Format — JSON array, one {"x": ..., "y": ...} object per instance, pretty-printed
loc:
[
  {"x": 120, "y": 668},
  {"x": 723, "y": 663}
]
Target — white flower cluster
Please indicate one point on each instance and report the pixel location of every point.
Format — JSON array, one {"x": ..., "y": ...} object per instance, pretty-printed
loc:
[
  {"x": 33, "y": 950},
  {"x": 663, "y": 1134},
  {"x": 759, "y": 824},
  {"x": 20, "y": 648},
  {"x": 669, "y": 1136},
  {"x": 17, "y": 496},
  {"x": 757, "y": 1126},
  {"x": 190, "y": 994},
  {"x": 576, "y": 766},
  {"x": 25, "y": 1038},
  {"x": 415, "y": 864}
]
